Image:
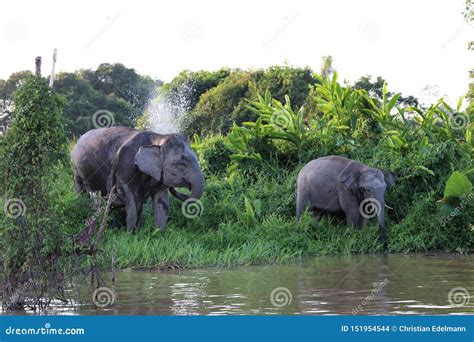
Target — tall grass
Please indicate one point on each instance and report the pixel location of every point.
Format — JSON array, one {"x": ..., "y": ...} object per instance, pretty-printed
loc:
[{"x": 251, "y": 172}]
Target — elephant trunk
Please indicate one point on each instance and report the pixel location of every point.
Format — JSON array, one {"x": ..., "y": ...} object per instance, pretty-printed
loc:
[{"x": 196, "y": 185}]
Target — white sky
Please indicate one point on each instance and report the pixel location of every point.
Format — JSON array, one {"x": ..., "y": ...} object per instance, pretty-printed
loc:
[{"x": 411, "y": 43}]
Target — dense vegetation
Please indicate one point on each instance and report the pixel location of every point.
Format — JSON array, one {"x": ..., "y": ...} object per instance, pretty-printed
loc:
[
  {"x": 253, "y": 130},
  {"x": 31, "y": 241},
  {"x": 111, "y": 87},
  {"x": 252, "y": 167}
]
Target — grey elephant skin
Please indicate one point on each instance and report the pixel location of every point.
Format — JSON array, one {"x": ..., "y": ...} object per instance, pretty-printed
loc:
[
  {"x": 141, "y": 164},
  {"x": 338, "y": 184}
]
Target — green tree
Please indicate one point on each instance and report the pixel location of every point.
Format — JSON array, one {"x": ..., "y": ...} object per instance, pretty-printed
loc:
[
  {"x": 375, "y": 89},
  {"x": 469, "y": 16},
  {"x": 124, "y": 83},
  {"x": 82, "y": 101},
  {"x": 217, "y": 107},
  {"x": 225, "y": 104},
  {"x": 188, "y": 87},
  {"x": 7, "y": 90},
  {"x": 31, "y": 238}
]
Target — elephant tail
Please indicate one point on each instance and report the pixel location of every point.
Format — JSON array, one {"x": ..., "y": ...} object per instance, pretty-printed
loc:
[
  {"x": 112, "y": 179},
  {"x": 301, "y": 203}
]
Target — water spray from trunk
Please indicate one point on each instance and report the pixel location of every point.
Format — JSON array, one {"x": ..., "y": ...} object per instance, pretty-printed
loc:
[{"x": 167, "y": 111}]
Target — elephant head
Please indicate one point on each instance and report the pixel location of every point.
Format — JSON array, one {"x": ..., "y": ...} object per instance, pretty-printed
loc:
[
  {"x": 369, "y": 185},
  {"x": 172, "y": 164}
]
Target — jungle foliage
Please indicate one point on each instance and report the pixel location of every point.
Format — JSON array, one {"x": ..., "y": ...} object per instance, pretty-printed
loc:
[
  {"x": 112, "y": 87},
  {"x": 253, "y": 130},
  {"x": 31, "y": 237}
]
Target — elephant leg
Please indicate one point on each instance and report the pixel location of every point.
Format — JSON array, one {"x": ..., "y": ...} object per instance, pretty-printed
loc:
[
  {"x": 132, "y": 215},
  {"x": 160, "y": 208},
  {"x": 301, "y": 204},
  {"x": 131, "y": 207},
  {"x": 350, "y": 206},
  {"x": 140, "y": 221},
  {"x": 365, "y": 221},
  {"x": 79, "y": 183},
  {"x": 354, "y": 220},
  {"x": 317, "y": 213}
]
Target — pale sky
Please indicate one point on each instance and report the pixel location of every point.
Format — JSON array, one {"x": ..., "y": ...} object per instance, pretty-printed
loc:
[{"x": 411, "y": 43}]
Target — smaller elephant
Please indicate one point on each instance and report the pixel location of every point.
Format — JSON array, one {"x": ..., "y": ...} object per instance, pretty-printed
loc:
[{"x": 338, "y": 184}]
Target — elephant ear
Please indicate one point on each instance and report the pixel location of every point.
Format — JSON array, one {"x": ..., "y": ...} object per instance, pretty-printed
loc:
[
  {"x": 389, "y": 178},
  {"x": 349, "y": 177},
  {"x": 149, "y": 160}
]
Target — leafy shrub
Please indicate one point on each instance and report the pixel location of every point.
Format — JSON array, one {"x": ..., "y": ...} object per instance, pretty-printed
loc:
[
  {"x": 214, "y": 154},
  {"x": 32, "y": 239}
]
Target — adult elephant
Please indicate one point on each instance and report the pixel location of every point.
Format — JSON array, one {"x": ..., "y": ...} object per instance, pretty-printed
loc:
[
  {"x": 140, "y": 164},
  {"x": 336, "y": 184}
]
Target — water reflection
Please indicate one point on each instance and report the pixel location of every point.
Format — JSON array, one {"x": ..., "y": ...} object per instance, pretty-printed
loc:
[{"x": 377, "y": 285}]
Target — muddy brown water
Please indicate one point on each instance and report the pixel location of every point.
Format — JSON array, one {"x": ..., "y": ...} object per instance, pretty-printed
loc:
[{"x": 366, "y": 285}]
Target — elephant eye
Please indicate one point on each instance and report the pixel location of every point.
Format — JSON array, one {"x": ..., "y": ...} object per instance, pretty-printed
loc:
[{"x": 181, "y": 166}]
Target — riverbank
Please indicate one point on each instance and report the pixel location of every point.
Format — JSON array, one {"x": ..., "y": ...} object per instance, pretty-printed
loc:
[
  {"x": 345, "y": 285},
  {"x": 251, "y": 220},
  {"x": 247, "y": 213},
  {"x": 230, "y": 231}
]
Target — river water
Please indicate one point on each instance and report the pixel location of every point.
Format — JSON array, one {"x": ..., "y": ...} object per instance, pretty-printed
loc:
[{"x": 375, "y": 285}]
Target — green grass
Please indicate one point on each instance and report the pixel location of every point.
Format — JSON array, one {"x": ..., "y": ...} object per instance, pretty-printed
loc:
[
  {"x": 228, "y": 234},
  {"x": 279, "y": 241},
  {"x": 248, "y": 218}
]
